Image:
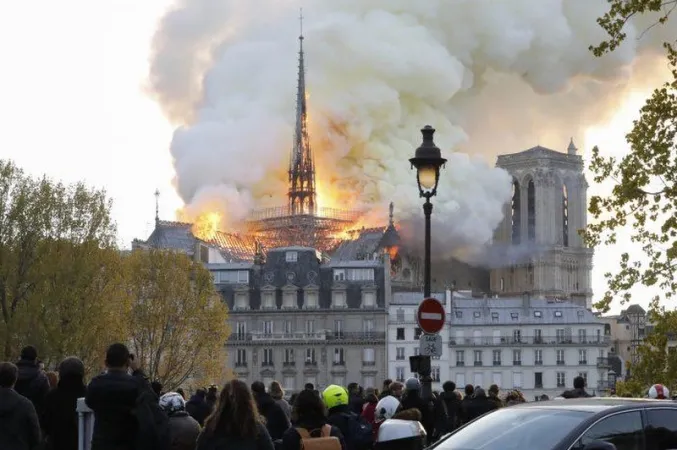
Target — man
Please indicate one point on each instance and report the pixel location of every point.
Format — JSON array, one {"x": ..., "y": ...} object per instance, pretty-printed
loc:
[
  {"x": 276, "y": 420},
  {"x": 452, "y": 405},
  {"x": 578, "y": 391},
  {"x": 412, "y": 399},
  {"x": 113, "y": 397},
  {"x": 32, "y": 382},
  {"x": 479, "y": 405},
  {"x": 493, "y": 395},
  {"x": 386, "y": 388},
  {"x": 197, "y": 407},
  {"x": 356, "y": 399},
  {"x": 396, "y": 389},
  {"x": 19, "y": 425}
]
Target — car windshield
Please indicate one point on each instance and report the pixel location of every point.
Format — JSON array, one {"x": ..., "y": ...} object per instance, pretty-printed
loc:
[{"x": 515, "y": 428}]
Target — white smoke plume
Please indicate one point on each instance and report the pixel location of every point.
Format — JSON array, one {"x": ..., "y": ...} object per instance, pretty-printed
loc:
[{"x": 492, "y": 76}]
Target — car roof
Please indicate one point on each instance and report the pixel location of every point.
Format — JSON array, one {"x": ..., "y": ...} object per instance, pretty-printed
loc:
[{"x": 598, "y": 404}]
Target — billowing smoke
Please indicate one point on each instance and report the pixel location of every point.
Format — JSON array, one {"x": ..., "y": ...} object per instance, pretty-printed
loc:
[{"x": 491, "y": 76}]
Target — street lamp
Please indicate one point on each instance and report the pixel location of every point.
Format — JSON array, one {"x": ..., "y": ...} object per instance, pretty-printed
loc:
[{"x": 427, "y": 161}]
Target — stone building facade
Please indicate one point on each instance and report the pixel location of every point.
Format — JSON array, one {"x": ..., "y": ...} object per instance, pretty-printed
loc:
[{"x": 541, "y": 226}]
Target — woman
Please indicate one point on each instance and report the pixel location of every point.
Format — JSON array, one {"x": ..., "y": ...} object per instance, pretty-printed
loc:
[
  {"x": 308, "y": 414},
  {"x": 184, "y": 429},
  {"x": 369, "y": 408},
  {"x": 60, "y": 419},
  {"x": 235, "y": 423},
  {"x": 277, "y": 393}
]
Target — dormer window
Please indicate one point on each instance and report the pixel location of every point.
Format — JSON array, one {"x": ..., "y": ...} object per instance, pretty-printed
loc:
[
  {"x": 459, "y": 314},
  {"x": 338, "y": 299},
  {"x": 369, "y": 298},
  {"x": 241, "y": 300},
  {"x": 494, "y": 317},
  {"x": 268, "y": 300},
  {"x": 289, "y": 297},
  {"x": 538, "y": 314},
  {"x": 291, "y": 257},
  {"x": 339, "y": 274},
  {"x": 580, "y": 313},
  {"x": 558, "y": 313},
  {"x": 477, "y": 314},
  {"x": 310, "y": 299},
  {"x": 514, "y": 316}
]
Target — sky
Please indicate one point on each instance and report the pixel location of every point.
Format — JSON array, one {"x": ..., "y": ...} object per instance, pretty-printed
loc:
[{"x": 73, "y": 106}]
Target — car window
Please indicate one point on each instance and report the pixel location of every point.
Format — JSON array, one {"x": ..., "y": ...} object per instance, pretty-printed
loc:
[
  {"x": 515, "y": 429},
  {"x": 661, "y": 429},
  {"x": 624, "y": 430}
]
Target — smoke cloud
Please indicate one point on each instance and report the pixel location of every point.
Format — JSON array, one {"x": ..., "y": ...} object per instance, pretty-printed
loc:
[{"x": 491, "y": 76}]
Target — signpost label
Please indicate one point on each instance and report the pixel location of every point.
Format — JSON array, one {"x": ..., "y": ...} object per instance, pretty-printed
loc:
[
  {"x": 430, "y": 345},
  {"x": 431, "y": 316}
]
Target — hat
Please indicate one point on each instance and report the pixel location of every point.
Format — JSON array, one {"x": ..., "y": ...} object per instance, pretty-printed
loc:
[
  {"x": 172, "y": 402},
  {"x": 71, "y": 366},
  {"x": 412, "y": 384}
]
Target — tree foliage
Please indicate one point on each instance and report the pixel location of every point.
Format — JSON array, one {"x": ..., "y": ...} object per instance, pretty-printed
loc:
[
  {"x": 644, "y": 195},
  {"x": 177, "y": 323}
]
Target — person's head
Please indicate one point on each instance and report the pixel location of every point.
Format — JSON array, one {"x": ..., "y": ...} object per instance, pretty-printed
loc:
[
  {"x": 72, "y": 373},
  {"x": 544, "y": 397},
  {"x": 353, "y": 388},
  {"x": 449, "y": 386},
  {"x": 258, "y": 388},
  {"x": 235, "y": 414},
  {"x": 479, "y": 393},
  {"x": 579, "y": 383},
  {"x": 413, "y": 385},
  {"x": 157, "y": 388},
  {"x": 276, "y": 390},
  {"x": 172, "y": 403},
  {"x": 396, "y": 389},
  {"x": 201, "y": 393},
  {"x": 117, "y": 356},
  {"x": 8, "y": 375},
  {"x": 386, "y": 384},
  {"x": 370, "y": 395},
  {"x": 309, "y": 387},
  {"x": 211, "y": 392},
  {"x": 308, "y": 407},
  {"x": 493, "y": 389},
  {"x": 334, "y": 396},
  {"x": 29, "y": 353},
  {"x": 469, "y": 389}
]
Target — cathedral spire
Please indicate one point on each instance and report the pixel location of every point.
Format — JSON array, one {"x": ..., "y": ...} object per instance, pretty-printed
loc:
[
  {"x": 302, "y": 196},
  {"x": 157, "y": 207}
]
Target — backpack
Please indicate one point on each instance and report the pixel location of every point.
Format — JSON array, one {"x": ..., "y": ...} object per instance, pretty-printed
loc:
[
  {"x": 323, "y": 442},
  {"x": 360, "y": 432},
  {"x": 153, "y": 431}
]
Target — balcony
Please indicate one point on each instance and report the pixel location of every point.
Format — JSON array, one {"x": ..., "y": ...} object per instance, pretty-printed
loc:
[
  {"x": 356, "y": 336},
  {"x": 497, "y": 363},
  {"x": 260, "y": 336},
  {"x": 368, "y": 363},
  {"x": 241, "y": 364},
  {"x": 267, "y": 364},
  {"x": 289, "y": 364},
  {"x": 339, "y": 363},
  {"x": 460, "y": 363},
  {"x": 603, "y": 363},
  {"x": 583, "y": 362},
  {"x": 494, "y": 341},
  {"x": 517, "y": 363},
  {"x": 311, "y": 364}
]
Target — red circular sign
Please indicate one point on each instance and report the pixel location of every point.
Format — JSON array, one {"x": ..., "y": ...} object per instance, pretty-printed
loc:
[{"x": 431, "y": 316}]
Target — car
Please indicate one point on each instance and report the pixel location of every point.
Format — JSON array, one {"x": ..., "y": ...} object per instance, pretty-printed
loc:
[{"x": 597, "y": 423}]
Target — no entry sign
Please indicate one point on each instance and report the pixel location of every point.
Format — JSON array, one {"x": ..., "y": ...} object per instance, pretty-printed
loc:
[{"x": 430, "y": 316}]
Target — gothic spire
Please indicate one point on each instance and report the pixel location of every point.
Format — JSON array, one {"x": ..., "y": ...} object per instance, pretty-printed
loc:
[
  {"x": 157, "y": 207},
  {"x": 391, "y": 214},
  {"x": 301, "y": 165}
]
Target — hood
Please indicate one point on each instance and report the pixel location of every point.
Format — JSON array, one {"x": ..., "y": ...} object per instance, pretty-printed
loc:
[
  {"x": 27, "y": 369},
  {"x": 9, "y": 400}
]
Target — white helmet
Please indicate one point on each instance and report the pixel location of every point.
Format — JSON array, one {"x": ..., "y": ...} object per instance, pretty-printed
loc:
[
  {"x": 386, "y": 408},
  {"x": 659, "y": 391}
]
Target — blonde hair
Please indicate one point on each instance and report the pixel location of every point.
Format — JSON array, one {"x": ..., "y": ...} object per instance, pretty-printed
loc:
[{"x": 276, "y": 390}]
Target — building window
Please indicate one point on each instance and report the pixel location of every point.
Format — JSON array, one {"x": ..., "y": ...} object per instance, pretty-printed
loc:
[
  {"x": 559, "y": 335},
  {"x": 289, "y": 383},
  {"x": 310, "y": 356},
  {"x": 538, "y": 380},
  {"x": 538, "y": 314},
  {"x": 368, "y": 327},
  {"x": 338, "y": 357},
  {"x": 399, "y": 353},
  {"x": 517, "y": 336},
  {"x": 310, "y": 299},
  {"x": 560, "y": 357},
  {"x": 565, "y": 216},
  {"x": 502, "y": 285},
  {"x": 496, "y": 356},
  {"x": 267, "y": 357},
  {"x": 514, "y": 316},
  {"x": 241, "y": 357},
  {"x": 338, "y": 299},
  {"x": 558, "y": 314},
  {"x": 458, "y": 314},
  {"x": 267, "y": 327},
  {"x": 369, "y": 382},
  {"x": 290, "y": 299},
  {"x": 517, "y": 379},
  {"x": 417, "y": 332},
  {"x": 338, "y": 328},
  {"x": 310, "y": 327},
  {"x": 494, "y": 317},
  {"x": 360, "y": 274},
  {"x": 368, "y": 299},
  {"x": 368, "y": 357},
  {"x": 478, "y": 357},
  {"x": 517, "y": 357},
  {"x": 516, "y": 213},
  {"x": 400, "y": 334},
  {"x": 233, "y": 276},
  {"x": 241, "y": 330},
  {"x": 582, "y": 356},
  {"x": 268, "y": 300},
  {"x": 460, "y": 358},
  {"x": 531, "y": 211},
  {"x": 435, "y": 374},
  {"x": 400, "y": 315},
  {"x": 476, "y": 314},
  {"x": 241, "y": 300},
  {"x": 538, "y": 336},
  {"x": 399, "y": 373},
  {"x": 538, "y": 357},
  {"x": 288, "y": 356},
  {"x": 339, "y": 380},
  {"x": 291, "y": 257},
  {"x": 339, "y": 274},
  {"x": 561, "y": 379}
]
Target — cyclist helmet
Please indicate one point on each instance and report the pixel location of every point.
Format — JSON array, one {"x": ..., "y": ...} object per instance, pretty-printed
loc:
[
  {"x": 658, "y": 391},
  {"x": 386, "y": 408},
  {"x": 334, "y": 396}
]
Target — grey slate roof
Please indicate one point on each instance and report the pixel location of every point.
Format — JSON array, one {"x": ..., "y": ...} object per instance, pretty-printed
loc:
[
  {"x": 412, "y": 298},
  {"x": 362, "y": 247},
  {"x": 506, "y": 307}
]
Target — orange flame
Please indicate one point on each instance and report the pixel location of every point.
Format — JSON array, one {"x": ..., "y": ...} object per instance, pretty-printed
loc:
[
  {"x": 206, "y": 226},
  {"x": 393, "y": 251}
]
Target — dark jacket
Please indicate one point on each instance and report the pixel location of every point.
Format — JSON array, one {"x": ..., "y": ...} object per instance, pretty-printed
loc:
[
  {"x": 291, "y": 439},
  {"x": 441, "y": 420},
  {"x": 453, "y": 409},
  {"x": 215, "y": 441},
  {"x": 112, "y": 396},
  {"x": 32, "y": 383},
  {"x": 478, "y": 406},
  {"x": 576, "y": 393},
  {"x": 340, "y": 417},
  {"x": 19, "y": 424},
  {"x": 198, "y": 408},
  {"x": 184, "y": 431},
  {"x": 276, "y": 420},
  {"x": 496, "y": 400},
  {"x": 60, "y": 419},
  {"x": 413, "y": 400},
  {"x": 356, "y": 404}
]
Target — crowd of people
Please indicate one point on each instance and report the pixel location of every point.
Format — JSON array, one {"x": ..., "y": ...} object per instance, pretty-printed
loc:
[{"x": 38, "y": 411}]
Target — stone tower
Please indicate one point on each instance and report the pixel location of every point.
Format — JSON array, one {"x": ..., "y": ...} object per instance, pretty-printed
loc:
[{"x": 545, "y": 255}]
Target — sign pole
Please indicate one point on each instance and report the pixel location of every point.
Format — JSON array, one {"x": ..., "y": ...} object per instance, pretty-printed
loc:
[{"x": 431, "y": 319}]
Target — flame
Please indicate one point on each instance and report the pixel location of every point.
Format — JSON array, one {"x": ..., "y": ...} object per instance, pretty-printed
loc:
[
  {"x": 206, "y": 225},
  {"x": 393, "y": 251}
]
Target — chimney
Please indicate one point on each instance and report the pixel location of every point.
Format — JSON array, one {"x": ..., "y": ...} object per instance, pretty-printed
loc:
[
  {"x": 526, "y": 300},
  {"x": 448, "y": 300}
]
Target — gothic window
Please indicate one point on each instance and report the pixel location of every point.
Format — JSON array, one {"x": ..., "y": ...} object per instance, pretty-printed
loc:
[
  {"x": 565, "y": 216},
  {"x": 531, "y": 211},
  {"x": 515, "y": 212}
]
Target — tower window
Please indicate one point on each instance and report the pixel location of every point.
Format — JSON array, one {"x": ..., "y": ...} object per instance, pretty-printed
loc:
[
  {"x": 515, "y": 213},
  {"x": 531, "y": 211},
  {"x": 565, "y": 216}
]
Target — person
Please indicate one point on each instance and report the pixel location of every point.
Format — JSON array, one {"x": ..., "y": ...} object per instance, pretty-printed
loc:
[
  {"x": 369, "y": 409},
  {"x": 235, "y": 423},
  {"x": 19, "y": 424},
  {"x": 183, "y": 429},
  {"x": 386, "y": 408},
  {"x": 386, "y": 388},
  {"x": 157, "y": 388},
  {"x": 276, "y": 420},
  {"x": 479, "y": 405},
  {"x": 469, "y": 392},
  {"x": 451, "y": 404},
  {"x": 493, "y": 395},
  {"x": 309, "y": 387},
  {"x": 356, "y": 399},
  {"x": 357, "y": 433},
  {"x": 212, "y": 396},
  {"x": 308, "y": 414},
  {"x": 277, "y": 393},
  {"x": 197, "y": 406},
  {"x": 397, "y": 389},
  {"x": 514, "y": 397},
  {"x": 113, "y": 398},
  {"x": 32, "y": 382},
  {"x": 60, "y": 418},
  {"x": 412, "y": 399},
  {"x": 658, "y": 391},
  {"x": 579, "y": 389}
]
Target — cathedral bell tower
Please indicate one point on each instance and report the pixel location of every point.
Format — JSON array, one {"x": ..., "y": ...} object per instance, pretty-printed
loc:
[{"x": 541, "y": 227}]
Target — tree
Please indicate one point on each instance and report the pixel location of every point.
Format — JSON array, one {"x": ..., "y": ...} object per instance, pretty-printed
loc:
[
  {"x": 46, "y": 229},
  {"x": 644, "y": 195},
  {"x": 177, "y": 323}
]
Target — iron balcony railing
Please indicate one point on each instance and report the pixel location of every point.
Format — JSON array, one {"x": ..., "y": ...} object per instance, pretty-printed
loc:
[
  {"x": 302, "y": 336},
  {"x": 527, "y": 340}
]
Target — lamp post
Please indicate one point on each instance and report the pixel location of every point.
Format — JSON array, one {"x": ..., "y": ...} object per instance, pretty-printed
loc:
[{"x": 428, "y": 161}]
